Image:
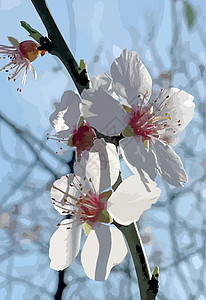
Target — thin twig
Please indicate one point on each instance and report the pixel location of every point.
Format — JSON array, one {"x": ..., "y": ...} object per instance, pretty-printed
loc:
[
  {"x": 31, "y": 141},
  {"x": 61, "y": 286},
  {"x": 59, "y": 47}
]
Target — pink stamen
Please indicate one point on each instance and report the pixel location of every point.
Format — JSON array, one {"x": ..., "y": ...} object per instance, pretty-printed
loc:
[
  {"x": 147, "y": 123},
  {"x": 21, "y": 58},
  {"x": 87, "y": 206}
]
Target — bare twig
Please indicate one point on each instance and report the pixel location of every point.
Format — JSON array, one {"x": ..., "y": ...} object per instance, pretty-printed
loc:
[
  {"x": 59, "y": 47},
  {"x": 31, "y": 141}
]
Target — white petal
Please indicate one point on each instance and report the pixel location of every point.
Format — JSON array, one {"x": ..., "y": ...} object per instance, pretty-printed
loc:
[
  {"x": 131, "y": 199},
  {"x": 131, "y": 77},
  {"x": 67, "y": 113},
  {"x": 102, "y": 165},
  {"x": 104, "y": 248},
  {"x": 103, "y": 111},
  {"x": 64, "y": 246},
  {"x": 113, "y": 163},
  {"x": 169, "y": 164},
  {"x": 58, "y": 197},
  {"x": 137, "y": 157},
  {"x": 103, "y": 80},
  {"x": 13, "y": 41},
  {"x": 106, "y": 156},
  {"x": 180, "y": 107}
]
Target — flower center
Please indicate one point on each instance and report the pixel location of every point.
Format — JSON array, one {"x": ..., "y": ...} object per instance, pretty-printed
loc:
[
  {"x": 86, "y": 207},
  {"x": 90, "y": 207},
  {"x": 21, "y": 55},
  {"x": 29, "y": 50},
  {"x": 148, "y": 121},
  {"x": 83, "y": 139},
  {"x": 147, "y": 124}
]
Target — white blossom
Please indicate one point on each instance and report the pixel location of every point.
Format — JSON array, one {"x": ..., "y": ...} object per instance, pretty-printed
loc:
[
  {"x": 122, "y": 104},
  {"x": 91, "y": 205},
  {"x": 21, "y": 56},
  {"x": 70, "y": 127}
]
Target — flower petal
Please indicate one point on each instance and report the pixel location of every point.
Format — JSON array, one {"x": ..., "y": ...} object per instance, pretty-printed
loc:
[
  {"x": 14, "y": 41},
  {"x": 103, "y": 111},
  {"x": 64, "y": 246},
  {"x": 132, "y": 198},
  {"x": 104, "y": 248},
  {"x": 131, "y": 77},
  {"x": 137, "y": 157},
  {"x": 103, "y": 80},
  {"x": 180, "y": 107},
  {"x": 109, "y": 164},
  {"x": 67, "y": 113},
  {"x": 169, "y": 164},
  {"x": 58, "y": 190},
  {"x": 102, "y": 165}
]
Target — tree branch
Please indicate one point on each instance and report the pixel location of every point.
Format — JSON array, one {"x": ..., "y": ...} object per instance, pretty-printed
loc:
[
  {"x": 59, "y": 47},
  {"x": 61, "y": 286},
  {"x": 148, "y": 285}
]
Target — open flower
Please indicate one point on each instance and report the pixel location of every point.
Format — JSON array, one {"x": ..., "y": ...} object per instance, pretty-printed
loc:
[
  {"x": 21, "y": 56},
  {"x": 87, "y": 205},
  {"x": 121, "y": 105},
  {"x": 71, "y": 128}
]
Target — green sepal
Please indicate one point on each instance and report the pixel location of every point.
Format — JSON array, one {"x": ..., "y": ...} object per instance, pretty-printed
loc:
[
  {"x": 32, "y": 32},
  {"x": 105, "y": 196},
  {"x": 104, "y": 217},
  {"x": 87, "y": 228},
  {"x": 128, "y": 131},
  {"x": 81, "y": 122},
  {"x": 82, "y": 66},
  {"x": 69, "y": 142}
]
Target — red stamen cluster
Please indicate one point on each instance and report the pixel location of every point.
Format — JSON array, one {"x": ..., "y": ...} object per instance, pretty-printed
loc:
[
  {"x": 20, "y": 57},
  {"x": 146, "y": 121},
  {"x": 90, "y": 207},
  {"x": 86, "y": 208}
]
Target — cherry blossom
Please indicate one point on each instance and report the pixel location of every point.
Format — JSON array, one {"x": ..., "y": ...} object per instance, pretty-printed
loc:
[
  {"x": 90, "y": 204},
  {"x": 123, "y": 104},
  {"x": 71, "y": 128},
  {"x": 21, "y": 56}
]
